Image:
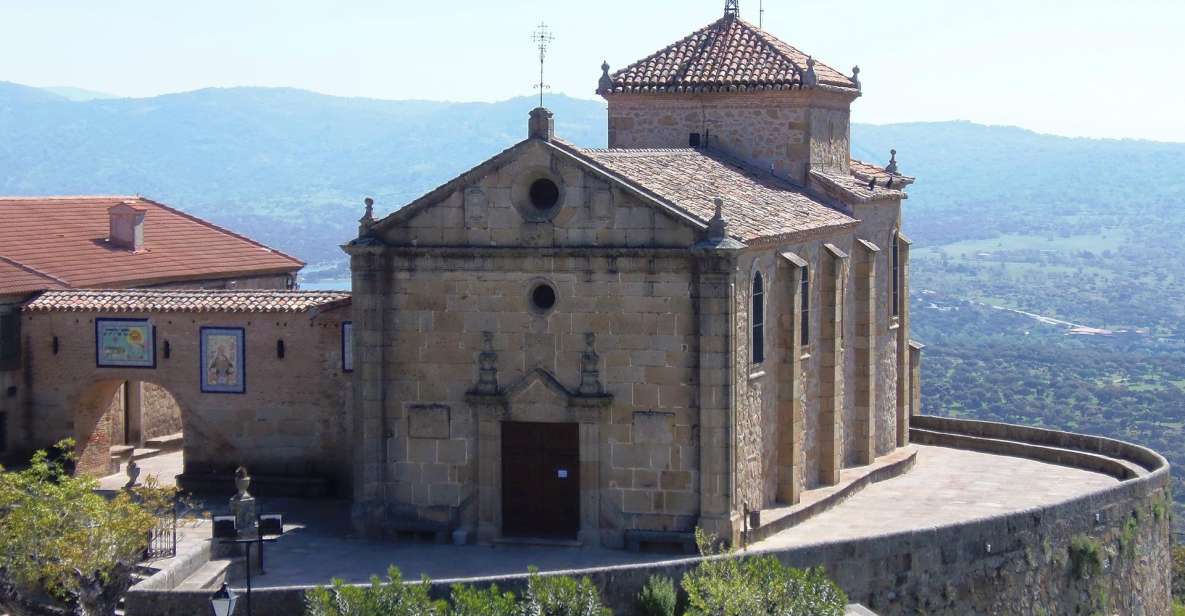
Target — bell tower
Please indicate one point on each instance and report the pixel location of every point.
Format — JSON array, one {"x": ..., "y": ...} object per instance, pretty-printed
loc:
[{"x": 736, "y": 89}]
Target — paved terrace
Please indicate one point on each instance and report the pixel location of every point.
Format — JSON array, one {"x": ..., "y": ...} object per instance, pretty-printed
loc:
[{"x": 945, "y": 486}]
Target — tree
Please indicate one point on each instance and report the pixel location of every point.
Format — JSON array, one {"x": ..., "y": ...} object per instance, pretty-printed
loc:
[{"x": 64, "y": 548}]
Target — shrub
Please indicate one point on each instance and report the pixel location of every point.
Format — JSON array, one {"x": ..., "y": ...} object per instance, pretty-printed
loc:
[
  {"x": 657, "y": 597},
  {"x": 545, "y": 596},
  {"x": 561, "y": 596},
  {"x": 1178, "y": 555},
  {"x": 725, "y": 585},
  {"x": 382, "y": 598},
  {"x": 1086, "y": 556},
  {"x": 470, "y": 601}
]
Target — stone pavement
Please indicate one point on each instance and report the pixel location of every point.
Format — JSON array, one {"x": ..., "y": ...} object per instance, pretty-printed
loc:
[
  {"x": 164, "y": 467},
  {"x": 946, "y": 485}
]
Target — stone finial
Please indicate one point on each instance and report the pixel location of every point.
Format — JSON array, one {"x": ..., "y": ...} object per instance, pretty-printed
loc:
[
  {"x": 605, "y": 85},
  {"x": 718, "y": 226},
  {"x": 133, "y": 472},
  {"x": 487, "y": 366},
  {"x": 811, "y": 79},
  {"x": 367, "y": 219},
  {"x": 892, "y": 167},
  {"x": 856, "y": 77},
  {"x": 541, "y": 124},
  {"x": 590, "y": 367},
  {"x": 242, "y": 482}
]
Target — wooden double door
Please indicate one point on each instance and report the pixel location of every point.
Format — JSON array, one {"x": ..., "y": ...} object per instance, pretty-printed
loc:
[{"x": 541, "y": 480}]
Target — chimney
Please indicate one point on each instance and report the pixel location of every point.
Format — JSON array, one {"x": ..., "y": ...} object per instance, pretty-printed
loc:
[
  {"x": 542, "y": 124},
  {"x": 126, "y": 226}
]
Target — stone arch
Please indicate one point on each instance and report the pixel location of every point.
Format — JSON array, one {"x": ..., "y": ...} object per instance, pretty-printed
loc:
[{"x": 100, "y": 409}]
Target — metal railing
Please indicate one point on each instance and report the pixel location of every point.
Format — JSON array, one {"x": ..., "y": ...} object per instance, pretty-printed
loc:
[{"x": 162, "y": 539}]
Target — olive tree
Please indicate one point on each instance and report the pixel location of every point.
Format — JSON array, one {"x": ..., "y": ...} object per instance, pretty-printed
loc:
[{"x": 65, "y": 548}]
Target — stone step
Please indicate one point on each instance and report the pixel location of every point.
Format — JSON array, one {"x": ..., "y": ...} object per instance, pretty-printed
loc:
[
  {"x": 145, "y": 452},
  {"x": 168, "y": 442},
  {"x": 121, "y": 453},
  {"x": 208, "y": 577}
]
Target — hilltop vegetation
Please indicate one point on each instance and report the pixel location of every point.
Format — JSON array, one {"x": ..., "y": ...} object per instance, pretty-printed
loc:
[{"x": 1087, "y": 232}]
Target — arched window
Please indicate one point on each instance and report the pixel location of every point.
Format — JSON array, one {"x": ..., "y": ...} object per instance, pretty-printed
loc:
[
  {"x": 896, "y": 277},
  {"x": 806, "y": 306},
  {"x": 758, "y": 314}
]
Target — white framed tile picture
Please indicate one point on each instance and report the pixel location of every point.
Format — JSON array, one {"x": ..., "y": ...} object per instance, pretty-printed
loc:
[{"x": 224, "y": 361}]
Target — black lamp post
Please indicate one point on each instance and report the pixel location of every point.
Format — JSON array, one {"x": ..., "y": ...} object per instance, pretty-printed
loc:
[
  {"x": 224, "y": 601},
  {"x": 268, "y": 528}
]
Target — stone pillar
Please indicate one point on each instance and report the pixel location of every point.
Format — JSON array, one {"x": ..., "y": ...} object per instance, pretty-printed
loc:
[
  {"x": 904, "y": 380},
  {"x": 864, "y": 349},
  {"x": 717, "y": 356},
  {"x": 541, "y": 125},
  {"x": 135, "y": 413},
  {"x": 915, "y": 377},
  {"x": 790, "y": 386},
  {"x": 831, "y": 275},
  {"x": 371, "y": 282}
]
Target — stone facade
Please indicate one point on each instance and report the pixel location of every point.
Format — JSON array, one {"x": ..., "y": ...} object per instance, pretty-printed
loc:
[
  {"x": 290, "y": 425},
  {"x": 685, "y": 425}
]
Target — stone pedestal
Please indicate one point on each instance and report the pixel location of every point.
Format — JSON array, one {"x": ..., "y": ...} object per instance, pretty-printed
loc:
[{"x": 244, "y": 510}]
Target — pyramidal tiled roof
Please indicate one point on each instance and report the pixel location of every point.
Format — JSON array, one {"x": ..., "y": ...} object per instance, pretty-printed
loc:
[
  {"x": 728, "y": 54},
  {"x": 757, "y": 204}
]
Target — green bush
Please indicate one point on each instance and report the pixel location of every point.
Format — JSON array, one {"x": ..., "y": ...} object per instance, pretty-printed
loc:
[
  {"x": 561, "y": 596},
  {"x": 1178, "y": 555},
  {"x": 1086, "y": 556},
  {"x": 657, "y": 597},
  {"x": 545, "y": 596},
  {"x": 732, "y": 586},
  {"x": 470, "y": 601},
  {"x": 389, "y": 598}
]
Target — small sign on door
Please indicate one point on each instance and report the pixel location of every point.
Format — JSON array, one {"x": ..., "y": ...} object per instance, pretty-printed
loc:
[{"x": 562, "y": 473}]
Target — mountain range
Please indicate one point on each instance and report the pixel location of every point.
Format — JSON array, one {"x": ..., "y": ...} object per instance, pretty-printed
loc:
[{"x": 290, "y": 167}]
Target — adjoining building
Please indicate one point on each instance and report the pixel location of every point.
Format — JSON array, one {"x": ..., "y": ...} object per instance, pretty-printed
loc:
[
  {"x": 601, "y": 345},
  {"x": 120, "y": 242}
]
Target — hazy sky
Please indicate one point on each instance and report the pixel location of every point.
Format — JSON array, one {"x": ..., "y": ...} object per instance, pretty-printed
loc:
[{"x": 1072, "y": 67}]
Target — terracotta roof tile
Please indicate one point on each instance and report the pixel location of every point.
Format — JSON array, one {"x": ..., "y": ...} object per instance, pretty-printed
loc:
[
  {"x": 16, "y": 277},
  {"x": 756, "y": 204},
  {"x": 154, "y": 300},
  {"x": 728, "y": 54},
  {"x": 65, "y": 238},
  {"x": 859, "y": 190}
]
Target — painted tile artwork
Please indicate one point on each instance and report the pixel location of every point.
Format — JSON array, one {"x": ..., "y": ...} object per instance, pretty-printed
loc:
[
  {"x": 223, "y": 360},
  {"x": 124, "y": 343}
]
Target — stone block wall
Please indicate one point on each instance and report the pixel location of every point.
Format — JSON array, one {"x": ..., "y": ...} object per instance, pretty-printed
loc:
[
  {"x": 448, "y": 311},
  {"x": 789, "y": 132},
  {"x": 290, "y": 422}
]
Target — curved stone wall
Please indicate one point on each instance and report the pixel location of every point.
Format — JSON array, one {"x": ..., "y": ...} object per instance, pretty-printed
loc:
[{"x": 1105, "y": 552}]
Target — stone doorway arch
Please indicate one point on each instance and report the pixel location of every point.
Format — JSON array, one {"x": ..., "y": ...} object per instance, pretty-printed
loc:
[{"x": 116, "y": 419}]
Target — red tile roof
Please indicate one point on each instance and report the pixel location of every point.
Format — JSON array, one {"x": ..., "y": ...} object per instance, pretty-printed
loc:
[
  {"x": 159, "y": 300},
  {"x": 727, "y": 54},
  {"x": 65, "y": 239},
  {"x": 756, "y": 203},
  {"x": 16, "y": 277}
]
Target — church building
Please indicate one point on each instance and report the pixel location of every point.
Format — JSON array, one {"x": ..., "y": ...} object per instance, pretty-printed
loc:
[{"x": 607, "y": 346}]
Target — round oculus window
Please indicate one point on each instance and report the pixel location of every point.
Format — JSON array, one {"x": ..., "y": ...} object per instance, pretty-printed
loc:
[
  {"x": 544, "y": 194},
  {"x": 543, "y": 297}
]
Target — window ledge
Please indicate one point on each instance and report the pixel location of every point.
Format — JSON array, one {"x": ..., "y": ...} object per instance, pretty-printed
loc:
[
  {"x": 805, "y": 356},
  {"x": 894, "y": 325},
  {"x": 756, "y": 375}
]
